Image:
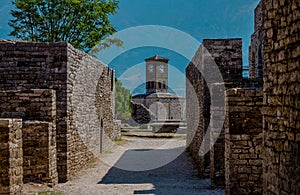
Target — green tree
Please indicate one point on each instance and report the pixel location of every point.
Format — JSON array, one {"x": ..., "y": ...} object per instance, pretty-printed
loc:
[
  {"x": 83, "y": 23},
  {"x": 106, "y": 43},
  {"x": 122, "y": 102}
]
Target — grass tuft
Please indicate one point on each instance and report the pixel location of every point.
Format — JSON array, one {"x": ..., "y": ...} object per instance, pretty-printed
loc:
[{"x": 121, "y": 142}]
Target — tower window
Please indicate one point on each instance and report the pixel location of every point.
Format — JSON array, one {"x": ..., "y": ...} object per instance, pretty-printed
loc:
[
  {"x": 152, "y": 84},
  {"x": 159, "y": 85}
]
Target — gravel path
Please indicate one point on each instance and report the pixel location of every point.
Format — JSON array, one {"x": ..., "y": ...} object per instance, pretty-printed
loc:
[{"x": 170, "y": 177}]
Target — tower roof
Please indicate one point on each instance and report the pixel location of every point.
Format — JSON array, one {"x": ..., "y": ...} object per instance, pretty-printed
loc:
[{"x": 157, "y": 58}]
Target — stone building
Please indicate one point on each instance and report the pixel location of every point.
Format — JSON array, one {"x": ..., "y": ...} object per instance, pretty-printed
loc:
[
  {"x": 65, "y": 100},
  {"x": 164, "y": 111},
  {"x": 258, "y": 151}
]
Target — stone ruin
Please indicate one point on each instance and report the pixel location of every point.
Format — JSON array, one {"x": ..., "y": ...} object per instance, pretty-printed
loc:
[
  {"x": 63, "y": 98},
  {"x": 258, "y": 149},
  {"x": 56, "y": 112}
]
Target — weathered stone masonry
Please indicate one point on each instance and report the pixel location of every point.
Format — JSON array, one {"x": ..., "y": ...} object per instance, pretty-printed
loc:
[
  {"x": 262, "y": 127},
  {"x": 80, "y": 82},
  {"x": 38, "y": 104},
  {"x": 37, "y": 108},
  {"x": 90, "y": 118},
  {"x": 281, "y": 32},
  {"x": 227, "y": 54},
  {"x": 243, "y": 141},
  {"x": 11, "y": 156},
  {"x": 39, "y": 152},
  {"x": 256, "y": 47}
]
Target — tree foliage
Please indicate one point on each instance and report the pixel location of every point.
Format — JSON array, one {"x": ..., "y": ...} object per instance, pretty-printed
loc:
[
  {"x": 83, "y": 23},
  {"x": 122, "y": 102},
  {"x": 106, "y": 43}
]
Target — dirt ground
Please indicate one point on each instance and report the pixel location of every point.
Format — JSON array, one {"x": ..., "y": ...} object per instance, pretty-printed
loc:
[{"x": 141, "y": 166}]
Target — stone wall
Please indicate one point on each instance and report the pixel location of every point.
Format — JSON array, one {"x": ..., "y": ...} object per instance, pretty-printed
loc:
[
  {"x": 82, "y": 86},
  {"x": 194, "y": 114},
  {"x": 227, "y": 55},
  {"x": 105, "y": 103},
  {"x": 281, "y": 96},
  {"x": 39, "y": 66},
  {"x": 262, "y": 127},
  {"x": 243, "y": 141},
  {"x": 256, "y": 47},
  {"x": 39, "y": 138},
  {"x": 39, "y": 152},
  {"x": 90, "y": 102},
  {"x": 140, "y": 113},
  {"x": 11, "y": 156},
  {"x": 38, "y": 104}
]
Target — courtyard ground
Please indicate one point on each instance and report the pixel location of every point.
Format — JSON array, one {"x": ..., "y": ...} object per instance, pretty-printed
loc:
[{"x": 108, "y": 177}]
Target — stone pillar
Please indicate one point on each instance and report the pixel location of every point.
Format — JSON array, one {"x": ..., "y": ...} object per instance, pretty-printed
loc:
[
  {"x": 256, "y": 47},
  {"x": 243, "y": 141},
  {"x": 217, "y": 136},
  {"x": 226, "y": 54},
  {"x": 39, "y": 144},
  {"x": 11, "y": 156}
]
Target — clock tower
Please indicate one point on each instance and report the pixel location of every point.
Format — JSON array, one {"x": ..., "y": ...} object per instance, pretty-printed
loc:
[{"x": 157, "y": 74}]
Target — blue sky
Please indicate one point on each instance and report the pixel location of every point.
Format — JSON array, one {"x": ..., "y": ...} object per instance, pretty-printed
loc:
[
  {"x": 199, "y": 18},
  {"x": 202, "y": 19}
]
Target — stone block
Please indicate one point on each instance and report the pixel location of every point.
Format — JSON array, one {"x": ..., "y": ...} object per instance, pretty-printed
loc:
[
  {"x": 39, "y": 144},
  {"x": 11, "y": 156}
]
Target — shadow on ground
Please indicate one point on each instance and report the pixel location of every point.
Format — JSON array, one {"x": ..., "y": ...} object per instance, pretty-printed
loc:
[{"x": 176, "y": 177}]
